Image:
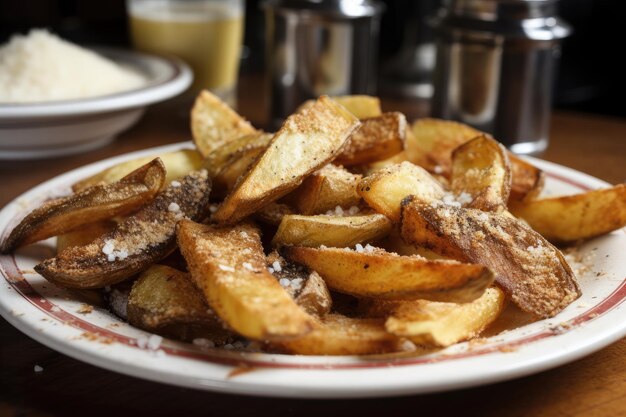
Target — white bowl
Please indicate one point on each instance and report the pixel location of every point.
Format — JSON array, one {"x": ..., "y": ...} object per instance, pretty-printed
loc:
[{"x": 44, "y": 130}]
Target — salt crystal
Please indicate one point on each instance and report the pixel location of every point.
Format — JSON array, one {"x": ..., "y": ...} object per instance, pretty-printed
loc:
[
  {"x": 483, "y": 217},
  {"x": 203, "y": 343},
  {"x": 248, "y": 266},
  {"x": 270, "y": 270},
  {"x": 175, "y": 183},
  {"x": 464, "y": 198},
  {"x": 296, "y": 284},
  {"x": 213, "y": 208},
  {"x": 38, "y": 368},
  {"x": 284, "y": 282},
  {"x": 142, "y": 342},
  {"x": 353, "y": 210},
  {"x": 369, "y": 248},
  {"x": 173, "y": 207},
  {"x": 154, "y": 341},
  {"x": 276, "y": 266},
  {"x": 438, "y": 169},
  {"x": 226, "y": 268},
  {"x": 55, "y": 309},
  {"x": 359, "y": 248},
  {"x": 160, "y": 353},
  {"x": 228, "y": 346},
  {"x": 108, "y": 247}
]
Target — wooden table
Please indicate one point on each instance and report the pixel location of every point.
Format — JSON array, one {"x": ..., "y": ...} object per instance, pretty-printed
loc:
[{"x": 593, "y": 386}]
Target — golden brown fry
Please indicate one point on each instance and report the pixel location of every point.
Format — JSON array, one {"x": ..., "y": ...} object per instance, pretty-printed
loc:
[
  {"x": 481, "y": 169},
  {"x": 306, "y": 142},
  {"x": 85, "y": 235},
  {"x": 575, "y": 217},
  {"x": 165, "y": 301},
  {"x": 378, "y": 138},
  {"x": 339, "y": 335},
  {"x": 177, "y": 164},
  {"x": 233, "y": 150},
  {"x": 324, "y": 190},
  {"x": 361, "y": 106},
  {"x": 228, "y": 265},
  {"x": 527, "y": 180},
  {"x": 273, "y": 213},
  {"x": 385, "y": 189},
  {"x": 383, "y": 275},
  {"x": 97, "y": 203},
  {"x": 529, "y": 268},
  {"x": 334, "y": 231},
  {"x": 225, "y": 181},
  {"x": 137, "y": 242},
  {"x": 430, "y": 323},
  {"x": 214, "y": 123}
]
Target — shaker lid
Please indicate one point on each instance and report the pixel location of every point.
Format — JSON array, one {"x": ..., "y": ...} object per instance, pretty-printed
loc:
[{"x": 338, "y": 9}]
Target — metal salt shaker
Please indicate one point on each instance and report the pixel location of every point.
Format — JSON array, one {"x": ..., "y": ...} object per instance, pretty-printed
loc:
[
  {"x": 317, "y": 47},
  {"x": 495, "y": 66}
]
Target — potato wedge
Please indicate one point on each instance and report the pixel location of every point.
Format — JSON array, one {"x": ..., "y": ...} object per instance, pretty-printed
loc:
[
  {"x": 339, "y": 335},
  {"x": 305, "y": 286},
  {"x": 361, "y": 106},
  {"x": 226, "y": 179},
  {"x": 481, "y": 169},
  {"x": 385, "y": 189},
  {"x": 85, "y": 235},
  {"x": 378, "y": 274},
  {"x": 376, "y": 139},
  {"x": 140, "y": 240},
  {"x": 177, "y": 164},
  {"x": 233, "y": 150},
  {"x": 324, "y": 190},
  {"x": 575, "y": 217},
  {"x": 528, "y": 267},
  {"x": 434, "y": 140},
  {"x": 164, "y": 300},
  {"x": 214, "y": 123},
  {"x": 334, "y": 231},
  {"x": 430, "y": 323},
  {"x": 97, "y": 203},
  {"x": 228, "y": 266},
  {"x": 306, "y": 142}
]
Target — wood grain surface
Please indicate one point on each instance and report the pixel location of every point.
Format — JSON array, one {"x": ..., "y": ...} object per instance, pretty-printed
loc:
[{"x": 592, "y": 387}]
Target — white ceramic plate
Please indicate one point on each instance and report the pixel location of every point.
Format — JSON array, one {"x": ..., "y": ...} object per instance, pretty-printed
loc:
[
  {"x": 50, "y": 315},
  {"x": 44, "y": 130}
]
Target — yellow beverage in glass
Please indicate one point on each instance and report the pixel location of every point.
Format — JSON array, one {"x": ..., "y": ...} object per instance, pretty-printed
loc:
[{"x": 207, "y": 34}]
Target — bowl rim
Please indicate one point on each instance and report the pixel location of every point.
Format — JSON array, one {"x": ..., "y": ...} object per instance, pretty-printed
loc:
[{"x": 176, "y": 78}]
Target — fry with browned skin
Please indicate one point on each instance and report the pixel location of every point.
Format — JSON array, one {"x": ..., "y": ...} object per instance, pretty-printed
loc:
[
  {"x": 93, "y": 204},
  {"x": 137, "y": 242},
  {"x": 527, "y": 266},
  {"x": 375, "y": 273},
  {"x": 84, "y": 235}
]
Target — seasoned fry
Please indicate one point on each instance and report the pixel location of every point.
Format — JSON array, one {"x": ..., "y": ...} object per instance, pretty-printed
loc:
[
  {"x": 378, "y": 274},
  {"x": 228, "y": 266},
  {"x": 334, "y": 231},
  {"x": 385, "y": 189},
  {"x": 214, "y": 123},
  {"x": 527, "y": 180},
  {"x": 306, "y": 142},
  {"x": 481, "y": 169},
  {"x": 233, "y": 150},
  {"x": 177, "y": 164},
  {"x": 361, "y": 106},
  {"x": 575, "y": 217},
  {"x": 273, "y": 213},
  {"x": 164, "y": 300},
  {"x": 226, "y": 179},
  {"x": 430, "y": 323},
  {"x": 85, "y": 235},
  {"x": 137, "y": 242},
  {"x": 97, "y": 203},
  {"x": 529, "y": 268},
  {"x": 324, "y": 190},
  {"x": 378, "y": 138},
  {"x": 340, "y": 335}
]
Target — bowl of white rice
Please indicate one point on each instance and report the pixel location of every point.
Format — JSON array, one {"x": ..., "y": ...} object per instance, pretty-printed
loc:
[{"x": 57, "y": 98}]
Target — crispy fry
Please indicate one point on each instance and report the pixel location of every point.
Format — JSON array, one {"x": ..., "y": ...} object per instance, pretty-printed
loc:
[
  {"x": 214, "y": 123},
  {"x": 177, "y": 164},
  {"x": 273, "y": 213},
  {"x": 228, "y": 265},
  {"x": 527, "y": 180},
  {"x": 97, "y": 203},
  {"x": 85, "y": 235},
  {"x": 575, "y": 217},
  {"x": 306, "y": 142},
  {"x": 334, "y": 231},
  {"x": 324, "y": 190},
  {"x": 383, "y": 275},
  {"x": 529, "y": 268},
  {"x": 378, "y": 138},
  {"x": 137, "y": 242},
  {"x": 233, "y": 150},
  {"x": 430, "y": 323},
  {"x": 361, "y": 106},
  {"x": 481, "y": 168},
  {"x": 385, "y": 189}
]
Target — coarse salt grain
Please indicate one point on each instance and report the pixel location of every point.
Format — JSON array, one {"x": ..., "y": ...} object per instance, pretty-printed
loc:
[
  {"x": 108, "y": 247},
  {"x": 173, "y": 207},
  {"x": 142, "y": 342},
  {"x": 359, "y": 248},
  {"x": 203, "y": 343},
  {"x": 464, "y": 198},
  {"x": 248, "y": 266},
  {"x": 353, "y": 210},
  {"x": 38, "y": 368},
  {"x": 213, "y": 208},
  {"x": 296, "y": 284},
  {"x": 226, "y": 268},
  {"x": 276, "y": 266},
  {"x": 369, "y": 248},
  {"x": 270, "y": 270},
  {"x": 483, "y": 217},
  {"x": 55, "y": 309},
  {"x": 437, "y": 169},
  {"x": 284, "y": 282},
  {"x": 154, "y": 342},
  {"x": 175, "y": 183}
]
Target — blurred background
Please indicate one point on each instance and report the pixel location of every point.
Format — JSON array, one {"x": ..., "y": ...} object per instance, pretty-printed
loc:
[{"x": 590, "y": 77}]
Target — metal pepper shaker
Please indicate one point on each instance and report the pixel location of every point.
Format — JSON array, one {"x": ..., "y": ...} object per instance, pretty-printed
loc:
[
  {"x": 495, "y": 65},
  {"x": 317, "y": 47}
]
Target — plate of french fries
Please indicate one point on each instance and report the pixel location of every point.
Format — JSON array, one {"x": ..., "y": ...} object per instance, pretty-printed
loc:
[{"x": 351, "y": 253}]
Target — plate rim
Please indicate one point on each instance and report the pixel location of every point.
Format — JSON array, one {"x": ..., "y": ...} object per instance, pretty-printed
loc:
[{"x": 523, "y": 368}]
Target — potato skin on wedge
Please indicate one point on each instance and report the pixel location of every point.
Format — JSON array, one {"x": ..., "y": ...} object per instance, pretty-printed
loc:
[
  {"x": 306, "y": 142},
  {"x": 94, "y": 204},
  {"x": 137, "y": 242},
  {"x": 85, "y": 235},
  {"x": 575, "y": 217},
  {"x": 228, "y": 265},
  {"x": 384, "y": 275},
  {"x": 527, "y": 266}
]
